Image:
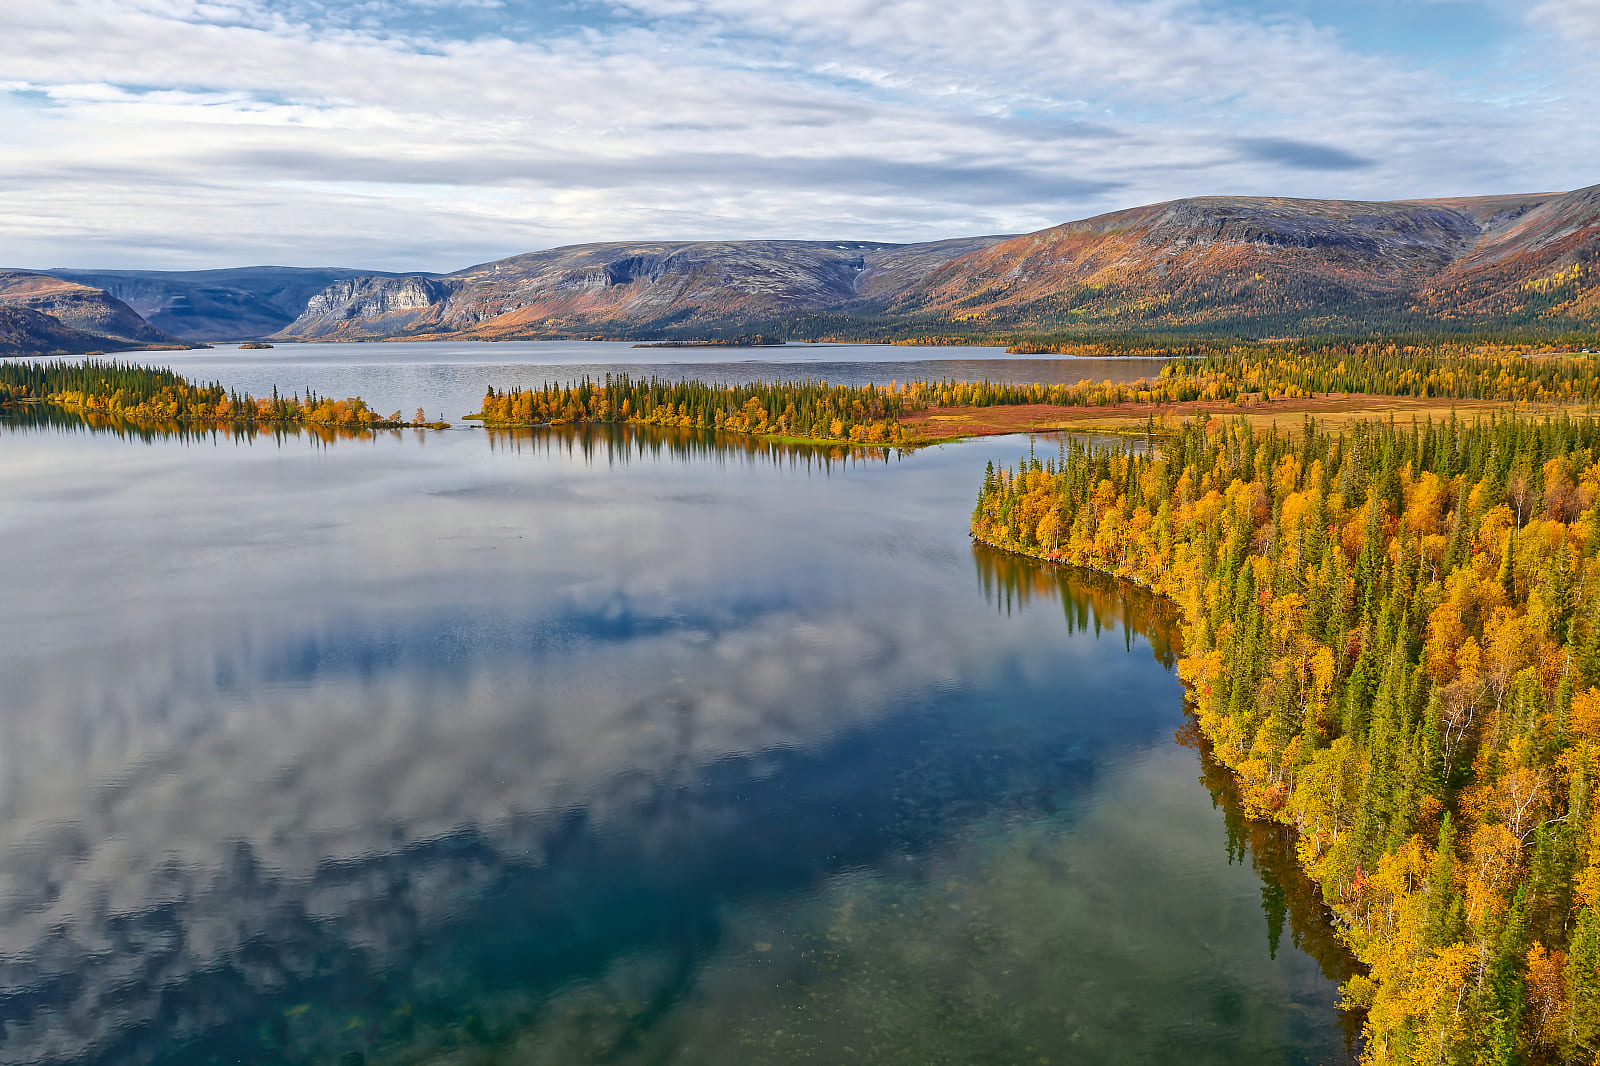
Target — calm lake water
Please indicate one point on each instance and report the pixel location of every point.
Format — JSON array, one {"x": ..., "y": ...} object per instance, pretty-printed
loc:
[
  {"x": 449, "y": 378},
  {"x": 600, "y": 747}
]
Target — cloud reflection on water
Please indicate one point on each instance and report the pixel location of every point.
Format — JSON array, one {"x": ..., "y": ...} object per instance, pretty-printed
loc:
[{"x": 383, "y": 727}]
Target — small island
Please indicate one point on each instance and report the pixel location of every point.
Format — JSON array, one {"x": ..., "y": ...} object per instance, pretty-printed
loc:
[{"x": 249, "y": 346}]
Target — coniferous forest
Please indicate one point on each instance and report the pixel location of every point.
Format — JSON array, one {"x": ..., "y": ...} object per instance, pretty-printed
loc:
[
  {"x": 1392, "y": 636},
  {"x": 150, "y": 394},
  {"x": 873, "y": 413}
]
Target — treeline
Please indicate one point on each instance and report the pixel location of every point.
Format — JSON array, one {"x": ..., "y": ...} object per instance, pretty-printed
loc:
[
  {"x": 809, "y": 410},
  {"x": 873, "y": 413},
  {"x": 812, "y": 410},
  {"x": 1392, "y": 637},
  {"x": 1389, "y": 369},
  {"x": 150, "y": 394}
]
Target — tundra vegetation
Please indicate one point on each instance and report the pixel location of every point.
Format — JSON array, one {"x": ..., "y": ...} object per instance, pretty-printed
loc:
[{"x": 1391, "y": 635}]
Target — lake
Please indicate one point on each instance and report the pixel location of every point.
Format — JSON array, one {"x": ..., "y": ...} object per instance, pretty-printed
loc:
[
  {"x": 600, "y": 746},
  {"x": 449, "y": 378}
]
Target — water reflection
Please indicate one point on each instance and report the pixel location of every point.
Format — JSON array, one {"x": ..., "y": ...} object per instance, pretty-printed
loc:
[
  {"x": 528, "y": 753},
  {"x": 1101, "y": 604},
  {"x": 1012, "y": 582},
  {"x": 449, "y": 378},
  {"x": 17, "y": 418},
  {"x": 622, "y": 442}
]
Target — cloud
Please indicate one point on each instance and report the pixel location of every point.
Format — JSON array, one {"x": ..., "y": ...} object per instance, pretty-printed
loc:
[
  {"x": 251, "y": 131},
  {"x": 1302, "y": 155}
]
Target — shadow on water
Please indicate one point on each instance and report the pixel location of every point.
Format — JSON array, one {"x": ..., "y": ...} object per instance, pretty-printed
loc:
[
  {"x": 1287, "y": 894},
  {"x": 1091, "y": 599}
]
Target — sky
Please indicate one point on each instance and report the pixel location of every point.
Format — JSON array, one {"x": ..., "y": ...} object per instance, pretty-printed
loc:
[{"x": 432, "y": 134}]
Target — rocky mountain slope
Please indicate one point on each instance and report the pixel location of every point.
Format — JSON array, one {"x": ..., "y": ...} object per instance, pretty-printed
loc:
[
  {"x": 1241, "y": 266},
  {"x": 626, "y": 288},
  {"x": 1225, "y": 265},
  {"x": 79, "y": 307},
  {"x": 1302, "y": 266},
  {"x": 239, "y": 303},
  {"x": 25, "y": 332}
]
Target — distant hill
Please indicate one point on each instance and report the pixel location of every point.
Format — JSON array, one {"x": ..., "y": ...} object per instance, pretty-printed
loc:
[
  {"x": 26, "y": 332},
  {"x": 1246, "y": 264},
  {"x": 235, "y": 303},
  {"x": 1210, "y": 265},
  {"x": 628, "y": 288},
  {"x": 79, "y": 307}
]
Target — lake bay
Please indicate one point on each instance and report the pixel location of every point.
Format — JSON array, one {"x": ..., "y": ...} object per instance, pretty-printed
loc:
[{"x": 595, "y": 745}]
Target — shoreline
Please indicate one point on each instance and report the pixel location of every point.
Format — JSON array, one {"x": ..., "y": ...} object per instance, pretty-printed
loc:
[
  {"x": 946, "y": 425},
  {"x": 1336, "y": 923}
]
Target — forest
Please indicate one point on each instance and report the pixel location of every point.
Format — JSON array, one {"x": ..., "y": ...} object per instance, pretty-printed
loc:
[
  {"x": 873, "y": 413},
  {"x": 149, "y": 394},
  {"x": 1391, "y": 636},
  {"x": 803, "y": 410}
]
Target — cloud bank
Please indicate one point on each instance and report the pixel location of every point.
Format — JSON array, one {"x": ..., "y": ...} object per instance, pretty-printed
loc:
[{"x": 435, "y": 133}]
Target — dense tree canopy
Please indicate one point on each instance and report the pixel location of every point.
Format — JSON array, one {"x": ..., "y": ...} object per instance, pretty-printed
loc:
[
  {"x": 1392, "y": 637},
  {"x": 141, "y": 393}
]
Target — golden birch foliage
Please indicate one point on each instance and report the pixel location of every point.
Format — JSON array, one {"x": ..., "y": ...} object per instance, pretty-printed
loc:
[{"x": 1382, "y": 627}]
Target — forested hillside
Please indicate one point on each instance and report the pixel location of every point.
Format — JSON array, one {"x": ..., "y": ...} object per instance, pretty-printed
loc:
[{"x": 1392, "y": 637}]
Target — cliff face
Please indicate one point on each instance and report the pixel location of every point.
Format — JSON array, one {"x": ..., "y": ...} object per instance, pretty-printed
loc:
[
  {"x": 625, "y": 287},
  {"x": 238, "y": 303},
  {"x": 78, "y": 307},
  {"x": 372, "y": 306}
]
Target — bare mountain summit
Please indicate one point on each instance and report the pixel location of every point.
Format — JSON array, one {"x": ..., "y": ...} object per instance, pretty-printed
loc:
[
  {"x": 1304, "y": 266},
  {"x": 625, "y": 288},
  {"x": 1213, "y": 264}
]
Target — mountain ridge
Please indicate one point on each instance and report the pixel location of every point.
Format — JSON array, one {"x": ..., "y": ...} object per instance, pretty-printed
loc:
[
  {"x": 1207, "y": 266},
  {"x": 667, "y": 284},
  {"x": 1218, "y": 264}
]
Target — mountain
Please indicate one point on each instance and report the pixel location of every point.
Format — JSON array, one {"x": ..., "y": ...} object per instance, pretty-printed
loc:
[
  {"x": 1249, "y": 264},
  {"x": 625, "y": 288},
  {"x": 79, "y": 307},
  {"x": 238, "y": 303},
  {"x": 1214, "y": 264},
  {"x": 27, "y": 332},
  {"x": 1209, "y": 265}
]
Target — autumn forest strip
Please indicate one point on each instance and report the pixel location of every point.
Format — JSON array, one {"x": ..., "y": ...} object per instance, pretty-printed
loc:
[{"x": 1392, "y": 637}]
